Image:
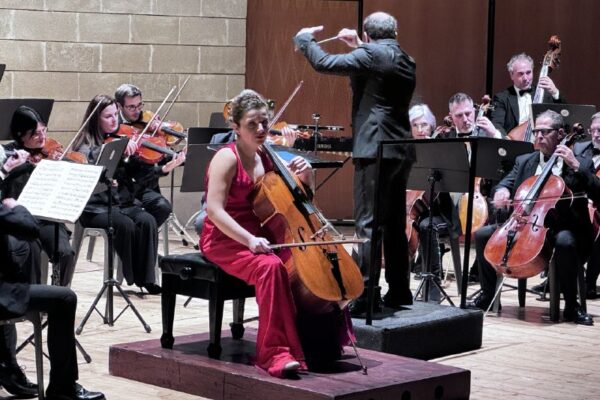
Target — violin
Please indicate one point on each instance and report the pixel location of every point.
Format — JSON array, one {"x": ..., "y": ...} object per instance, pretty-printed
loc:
[
  {"x": 52, "y": 150},
  {"x": 519, "y": 248},
  {"x": 151, "y": 149},
  {"x": 524, "y": 131},
  {"x": 172, "y": 131}
]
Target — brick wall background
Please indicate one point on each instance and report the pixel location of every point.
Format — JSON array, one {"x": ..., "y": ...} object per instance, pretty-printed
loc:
[{"x": 71, "y": 50}]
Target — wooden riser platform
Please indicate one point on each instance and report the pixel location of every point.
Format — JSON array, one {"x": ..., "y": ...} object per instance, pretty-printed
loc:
[{"x": 187, "y": 368}]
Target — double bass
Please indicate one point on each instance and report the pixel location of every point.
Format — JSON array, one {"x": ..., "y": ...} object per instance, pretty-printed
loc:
[
  {"x": 551, "y": 61},
  {"x": 519, "y": 248}
]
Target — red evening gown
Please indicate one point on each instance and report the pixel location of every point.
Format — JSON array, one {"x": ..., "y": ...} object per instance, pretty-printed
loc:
[{"x": 277, "y": 342}]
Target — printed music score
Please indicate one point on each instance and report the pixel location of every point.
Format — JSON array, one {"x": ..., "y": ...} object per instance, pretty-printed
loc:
[{"x": 59, "y": 190}]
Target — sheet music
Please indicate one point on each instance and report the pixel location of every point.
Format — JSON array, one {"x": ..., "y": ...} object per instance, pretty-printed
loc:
[{"x": 59, "y": 190}]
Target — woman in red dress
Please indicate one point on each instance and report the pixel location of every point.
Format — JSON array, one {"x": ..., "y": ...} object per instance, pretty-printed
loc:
[{"x": 233, "y": 238}]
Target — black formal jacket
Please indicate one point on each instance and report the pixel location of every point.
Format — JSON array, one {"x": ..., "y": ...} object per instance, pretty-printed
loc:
[
  {"x": 382, "y": 76},
  {"x": 14, "y": 292},
  {"x": 584, "y": 149},
  {"x": 572, "y": 216},
  {"x": 505, "y": 115}
]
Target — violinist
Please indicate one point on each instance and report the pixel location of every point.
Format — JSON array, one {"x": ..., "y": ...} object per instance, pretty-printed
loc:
[
  {"x": 570, "y": 230},
  {"x": 512, "y": 105},
  {"x": 463, "y": 116},
  {"x": 443, "y": 211},
  {"x": 30, "y": 135},
  {"x": 591, "y": 150},
  {"x": 234, "y": 239},
  {"x": 140, "y": 182},
  {"x": 135, "y": 230},
  {"x": 382, "y": 77}
]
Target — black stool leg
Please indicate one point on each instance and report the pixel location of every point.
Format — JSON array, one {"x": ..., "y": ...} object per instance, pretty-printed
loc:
[
  {"x": 521, "y": 291},
  {"x": 168, "y": 300},
  {"x": 237, "y": 326},
  {"x": 215, "y": 314}
]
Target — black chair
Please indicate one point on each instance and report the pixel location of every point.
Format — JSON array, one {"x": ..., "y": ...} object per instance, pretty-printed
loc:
[{"x": 193, "y": 275}]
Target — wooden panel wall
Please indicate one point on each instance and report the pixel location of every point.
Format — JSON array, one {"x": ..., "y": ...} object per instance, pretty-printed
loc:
[
  {"x": 274, "y": 69},
  {"x": 448, "y": 40}
]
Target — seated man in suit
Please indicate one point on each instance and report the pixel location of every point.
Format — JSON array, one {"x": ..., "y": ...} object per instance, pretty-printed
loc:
[
  {"x": 570, "y": 230},
  {"x": 18, "y": 297},
  {"x": 512, "y": 105},
  {"x": 463, "y": 114},
  {"x": 591, "y": 150}
]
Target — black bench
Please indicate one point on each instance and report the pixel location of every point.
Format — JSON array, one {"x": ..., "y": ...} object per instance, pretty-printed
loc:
[{"x": 193, "y": 275}]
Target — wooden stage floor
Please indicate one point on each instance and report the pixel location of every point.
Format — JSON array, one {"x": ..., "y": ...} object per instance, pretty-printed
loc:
[{"x": 523, "y": 356}]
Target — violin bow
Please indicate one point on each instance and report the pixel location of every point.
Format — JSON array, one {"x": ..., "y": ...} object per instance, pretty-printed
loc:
[
  {"x": 155, "y": 115},
  {"x": 172, "y": 102},
  {"x": 323, "y": 243},
  {"x": 87, "y": 120},
  {"x": 284, "y": 106}
]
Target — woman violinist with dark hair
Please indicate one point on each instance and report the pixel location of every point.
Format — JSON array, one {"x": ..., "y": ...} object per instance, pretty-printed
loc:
[
  {"x": 29, "y": 132},
  {"x": 136, "y": 233}
]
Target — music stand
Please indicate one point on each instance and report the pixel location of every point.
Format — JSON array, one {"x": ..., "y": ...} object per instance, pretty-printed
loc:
[
  {"x": 109, "y": 158},
  {"x": 202, "y": 135},
  {"x": 571, "y": 113},
  {"x": 194, "y": 170},
  {"x": 8, "y": 107},
  {"x": 496, "y": 154}
]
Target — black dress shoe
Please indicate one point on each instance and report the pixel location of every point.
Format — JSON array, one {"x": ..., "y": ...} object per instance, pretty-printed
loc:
[
  {"x": 358, "y": 307},
  {"x": 544, "y": 286},
  {"x": 152, "y": 288},
  {"x": 80, "y": 393},
  {"x": 15, "y": 382},
  {"x": 578, "y": 316},
  {"x": 394, "y": 300},
  {"x": 481, "y": 302}
]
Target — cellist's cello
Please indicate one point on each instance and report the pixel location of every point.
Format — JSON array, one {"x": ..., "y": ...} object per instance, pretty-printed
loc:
[
  {"x": 518, "y": 248},
  {"x": 322, "y": 273}
]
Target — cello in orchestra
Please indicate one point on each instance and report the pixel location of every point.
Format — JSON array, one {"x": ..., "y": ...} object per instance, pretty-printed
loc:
[
  {"x": 551, "y": 61},
  {"x": 519, "y": 248}
]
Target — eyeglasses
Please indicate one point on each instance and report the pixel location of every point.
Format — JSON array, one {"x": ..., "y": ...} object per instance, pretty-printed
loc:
[
  {"x": 593, "y": 131},
  {"x": 133, "y": 107},
  {"x": 544, "y": 132}
]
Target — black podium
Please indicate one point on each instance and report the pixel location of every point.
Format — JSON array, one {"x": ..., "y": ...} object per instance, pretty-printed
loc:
[{"x": 448, "y": 160}]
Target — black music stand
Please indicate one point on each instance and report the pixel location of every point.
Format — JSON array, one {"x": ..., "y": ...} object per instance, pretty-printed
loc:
[
  {"x": 109, "y": 158},
  {"x": 8, "y": 107},
  {"x": 571, "y": 113},
  {"x": 202, "y": 135},
  {"x": 496, "y": 156}
]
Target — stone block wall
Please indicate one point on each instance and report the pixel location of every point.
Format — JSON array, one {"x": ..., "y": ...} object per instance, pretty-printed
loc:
[{"x": 71, "y": 50}]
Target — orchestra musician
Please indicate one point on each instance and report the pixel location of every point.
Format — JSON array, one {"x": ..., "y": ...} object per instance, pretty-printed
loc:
[
  {"x": 382, "y": 76},
  {"x": 30, "y": 134},
  {"x": 444, "y": 212},
  {"x": 591, "y": 150},
  {"x": 234, "y": 239},
  {"x": 135, "y": 230},
  {"x": 512, "y": 105},
  {"x": 570, "y": 232},
  {"x": 140, "y": 181},
  {"x": 19, "y": 232},
  {"x": 462, "y": 112}
]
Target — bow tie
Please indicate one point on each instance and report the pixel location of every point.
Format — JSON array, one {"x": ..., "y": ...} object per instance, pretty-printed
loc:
[
  {"x": 595, "y": 151},
  {"x": 523, "y": 91}
]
